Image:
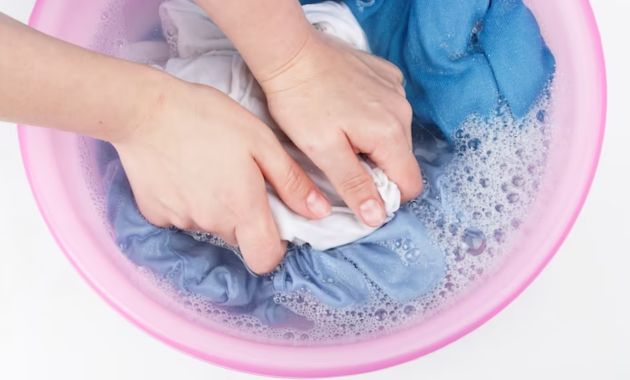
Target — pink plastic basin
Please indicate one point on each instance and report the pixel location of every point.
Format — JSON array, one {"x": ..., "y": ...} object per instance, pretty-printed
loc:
[{"x": 57, "y": 179}]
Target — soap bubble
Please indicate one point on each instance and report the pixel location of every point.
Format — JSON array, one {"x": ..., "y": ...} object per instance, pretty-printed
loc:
[
  {"x": 380, "y": 314},
  {"x": 474, "y": 241},
  {"x": 513, "y": 197},
  {"x": 518, "y": 181},
  {"x": 409, "y": 309},
  {"x": 487, "y": 187}
]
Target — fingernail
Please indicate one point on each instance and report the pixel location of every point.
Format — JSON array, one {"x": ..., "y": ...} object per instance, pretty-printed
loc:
[
  {"x": 317, "y": 204},
  {"x": 372, "y": 213}
]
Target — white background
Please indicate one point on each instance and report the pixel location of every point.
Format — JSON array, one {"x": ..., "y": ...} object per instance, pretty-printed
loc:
[{"x": 572, "y": 323}]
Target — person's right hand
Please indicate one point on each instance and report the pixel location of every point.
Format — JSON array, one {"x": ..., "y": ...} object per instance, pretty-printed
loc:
[
  {"x": 197, "y": 160},
  {"x": 334, "y": 102}
]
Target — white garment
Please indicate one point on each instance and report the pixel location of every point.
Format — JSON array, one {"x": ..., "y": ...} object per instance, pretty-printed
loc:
[{"x": 201, "y": 53}]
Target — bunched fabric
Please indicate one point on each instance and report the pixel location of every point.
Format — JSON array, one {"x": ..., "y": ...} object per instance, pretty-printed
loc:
[
  {"x": 459, "y": 57},
  {"x": 203, "y": 54},
  {"x": 398, "y": 258},
  {"x": 343, "y": 260}
]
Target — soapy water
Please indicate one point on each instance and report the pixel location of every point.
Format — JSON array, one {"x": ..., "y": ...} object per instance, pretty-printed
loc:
[
  {"x": 487, "y": 188},
  {"x": 473, "y": 213},
  {"x": 488, "y": 185}
]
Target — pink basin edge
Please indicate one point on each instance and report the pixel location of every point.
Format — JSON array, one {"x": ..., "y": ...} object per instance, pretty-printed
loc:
[{"x": 294, "y": 361}]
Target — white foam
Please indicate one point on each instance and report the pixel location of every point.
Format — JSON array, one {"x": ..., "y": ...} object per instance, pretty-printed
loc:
[
  {"x": 489, "y": 185},
  {"x": 473, "y": 233}
]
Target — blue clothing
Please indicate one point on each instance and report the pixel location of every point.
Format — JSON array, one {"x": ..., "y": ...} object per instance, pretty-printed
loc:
[
  {"x": 459, "y": 57},
  {"x": 398, "y": 258}
]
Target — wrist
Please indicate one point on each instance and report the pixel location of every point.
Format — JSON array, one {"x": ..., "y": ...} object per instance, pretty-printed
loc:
[
  {"x": 267, "y": 37},
  {"x": 148, "y": 95},
  {"x": 311, "y": 60},
  {"x": 284, "y": 54}
]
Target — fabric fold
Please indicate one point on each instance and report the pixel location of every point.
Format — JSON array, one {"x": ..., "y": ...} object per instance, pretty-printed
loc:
[{"x": 459, "y": 57}]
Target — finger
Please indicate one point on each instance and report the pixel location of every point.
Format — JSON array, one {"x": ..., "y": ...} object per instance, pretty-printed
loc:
[
  {"x": 256, "y": 230},
  {"x": 153, "y": 216},
  {"x": 386, "y": 145},
  {"x": 294, "y": 187},
  {"x": 150, "y": 209},
  {"x": 351, "y": 180},
  {"x": 400, "y": 165},
  {"x": 259, "y": 241}
]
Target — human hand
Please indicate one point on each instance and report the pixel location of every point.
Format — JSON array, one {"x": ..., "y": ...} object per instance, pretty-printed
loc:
[
  {"x": 197, "y": 160},
  {"x": 334, "y": 102}
]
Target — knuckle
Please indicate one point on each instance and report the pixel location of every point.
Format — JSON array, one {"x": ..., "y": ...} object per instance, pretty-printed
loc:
[
  {"x": 223, "y": 198},
  {"x": 233, "y": 202},
  {"x": 355, "y": 183},
  {"x": 391, "y": 132},
  {"x": 294, "y": 182},
  {"x": 249, "y": 205},
  {"x": 322, "y": 145},
  {"x": 413, "y": 192},
  {"x": 158, "y": 221},
  {"x": 396, "y": 72},
  {"x": 155, "y": 218},
  {"x": 392, "y": 69},
  {"x": 384, "y": 153},
  {"x": 412, "y": 185},
  {"x": 406, "y": 110},
  {"x": 401, "y": 91}
]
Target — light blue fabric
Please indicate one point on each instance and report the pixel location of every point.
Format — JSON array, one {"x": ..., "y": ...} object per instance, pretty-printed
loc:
[
  {"x": 398, "y": 258},
  {"x": 459, "y": 56}
]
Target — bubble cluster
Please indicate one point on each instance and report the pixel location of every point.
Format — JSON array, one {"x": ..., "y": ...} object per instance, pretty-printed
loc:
[
  {"x": 406, "y": 249},
  {"x": 488, "y": 189},
  {"x": 111, "y": 34},
  {"x": 469, "y": 227},
  {"x": 484, "y": 195},
  {"x": 95, "y": 181}
]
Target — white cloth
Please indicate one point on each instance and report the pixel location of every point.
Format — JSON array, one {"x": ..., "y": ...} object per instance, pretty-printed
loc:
[{"x": 201, "y": 53}]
